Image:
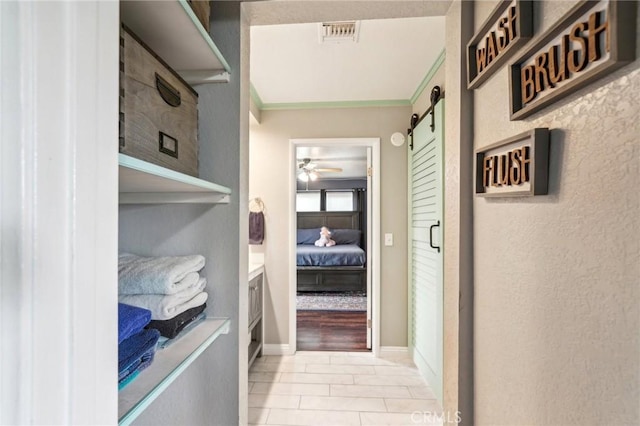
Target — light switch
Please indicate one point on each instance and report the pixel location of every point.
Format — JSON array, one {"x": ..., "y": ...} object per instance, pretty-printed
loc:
[{"x": 388, "y": 239}]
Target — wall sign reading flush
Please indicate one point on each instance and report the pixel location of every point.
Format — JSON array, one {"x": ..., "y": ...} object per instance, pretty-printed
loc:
[{"x": 518, "y": 166}]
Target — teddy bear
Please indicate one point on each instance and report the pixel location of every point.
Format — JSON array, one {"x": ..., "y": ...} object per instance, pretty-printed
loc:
[{"x": 325, "y": 238}]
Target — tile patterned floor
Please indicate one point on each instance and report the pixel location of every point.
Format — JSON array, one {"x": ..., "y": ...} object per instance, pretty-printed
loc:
[{"x": 339, "y": 388}]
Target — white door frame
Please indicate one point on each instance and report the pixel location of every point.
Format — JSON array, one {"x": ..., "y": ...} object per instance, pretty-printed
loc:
[
  {"x": 59, "y": 212},
  {"x": 373, "y": 258}
]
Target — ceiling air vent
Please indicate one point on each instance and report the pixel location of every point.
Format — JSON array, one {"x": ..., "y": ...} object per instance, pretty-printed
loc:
[{"x": 344, "y": 31}]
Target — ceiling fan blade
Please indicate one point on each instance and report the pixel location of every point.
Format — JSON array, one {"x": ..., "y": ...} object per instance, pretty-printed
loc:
[{"x": 328, "y": 169}]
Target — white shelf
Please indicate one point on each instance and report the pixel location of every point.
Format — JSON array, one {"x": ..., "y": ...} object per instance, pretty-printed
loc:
[
  {"x": 141, "y": 182},
  {"x": 167, "y": 365},
  {"x": 173, "y": 32}
]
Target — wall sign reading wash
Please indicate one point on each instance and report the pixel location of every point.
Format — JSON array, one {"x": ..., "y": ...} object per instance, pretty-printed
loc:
[
  {"x": 592, "y": 39},
  {"x": 508, "y": 27},
  {"x": 517, "y": 166}
]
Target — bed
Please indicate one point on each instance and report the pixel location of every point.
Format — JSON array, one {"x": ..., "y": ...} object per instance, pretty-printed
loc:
[
  {"x": 338, "y": 255},
  {"x": 340, "y": 268}
]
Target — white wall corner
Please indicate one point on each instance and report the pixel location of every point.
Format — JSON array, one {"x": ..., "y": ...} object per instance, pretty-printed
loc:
[
  {"x": 393, "y": 350},
  {"x": 275, "y": 349}
]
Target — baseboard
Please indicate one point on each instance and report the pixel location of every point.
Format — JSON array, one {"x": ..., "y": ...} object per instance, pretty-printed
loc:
[
  {"x": 274, "y": 349},
  {"x": 394, "y": 350}
]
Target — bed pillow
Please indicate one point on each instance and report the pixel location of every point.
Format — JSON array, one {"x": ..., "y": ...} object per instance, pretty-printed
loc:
[
  {"x": 308, "y": 236},
  {"x": 346, "y": 236}
]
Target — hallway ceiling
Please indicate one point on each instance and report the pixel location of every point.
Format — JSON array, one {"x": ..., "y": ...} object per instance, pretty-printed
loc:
[{"x": 387, "y": 63}]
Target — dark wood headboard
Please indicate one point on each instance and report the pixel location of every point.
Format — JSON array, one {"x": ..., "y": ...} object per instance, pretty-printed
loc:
[{"x": 332, "y": 220}]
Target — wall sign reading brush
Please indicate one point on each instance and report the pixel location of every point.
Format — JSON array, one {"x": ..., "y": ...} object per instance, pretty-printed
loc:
[
  {"x": 518, "y": 166},
  {"x": 509, "y": 26},
  {"x": 593, "y": 39}
]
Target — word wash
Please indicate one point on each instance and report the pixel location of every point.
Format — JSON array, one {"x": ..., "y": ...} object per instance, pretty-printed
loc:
[{"x": 494, "y": 43}]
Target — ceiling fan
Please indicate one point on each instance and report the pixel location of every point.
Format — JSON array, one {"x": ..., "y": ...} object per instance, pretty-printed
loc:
[{"x": 307, "y": 170}]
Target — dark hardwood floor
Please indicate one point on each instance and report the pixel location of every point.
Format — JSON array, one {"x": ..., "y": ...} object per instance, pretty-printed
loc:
[{"x": 332, "y": 331}]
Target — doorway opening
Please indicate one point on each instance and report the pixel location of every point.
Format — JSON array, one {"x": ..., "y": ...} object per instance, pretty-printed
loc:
[{"x": 334, "y": 286}]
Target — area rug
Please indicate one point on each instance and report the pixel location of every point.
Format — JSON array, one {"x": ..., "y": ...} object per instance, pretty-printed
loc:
[{"x": 331, "y": 301}]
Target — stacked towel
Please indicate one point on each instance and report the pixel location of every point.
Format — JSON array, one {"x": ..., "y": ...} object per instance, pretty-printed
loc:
[
  {"x": 167, "y": 306},
  {"x": 135, "y": 354},
  {"x": 157, "y": 275},
  {"x": 136, "y": 345},
  {"x": 131, "y": 320},
  {"x": 170, "y": 287},
  {"x": 171, "y": 328}
]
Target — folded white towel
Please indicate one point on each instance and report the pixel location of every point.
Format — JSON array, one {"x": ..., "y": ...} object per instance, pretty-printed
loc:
[
  {"x": 164, "y": 307},
  {"x": 157, "y": 275}
]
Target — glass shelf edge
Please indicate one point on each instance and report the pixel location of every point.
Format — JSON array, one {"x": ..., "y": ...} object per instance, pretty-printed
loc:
[
  {"x": 162, "y": 385},
  {"x": 205, "y": 35}
]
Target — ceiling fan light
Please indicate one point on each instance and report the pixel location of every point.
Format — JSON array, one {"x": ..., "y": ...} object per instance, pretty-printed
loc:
[
  {"x": 304, "y": 177},
  {"x": 313, "y": 175}
]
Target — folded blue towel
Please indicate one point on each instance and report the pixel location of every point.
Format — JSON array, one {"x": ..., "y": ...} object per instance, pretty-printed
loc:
[
  {"x": 137, "y": 349},
  {"x": 125, "y": 381},
  {"x": 131, "y": 320},
  {"x": 131, "y": 372}
]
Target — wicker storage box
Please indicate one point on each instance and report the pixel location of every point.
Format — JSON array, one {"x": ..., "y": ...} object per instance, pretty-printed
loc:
[
  {"x": 158, "y": 109},
  {"x": 202, "y": 10}
]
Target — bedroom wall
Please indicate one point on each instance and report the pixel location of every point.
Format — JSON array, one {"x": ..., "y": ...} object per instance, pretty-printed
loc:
[
  {"x": 556, "y": 277},
  {"x": 269, "y": 174}
]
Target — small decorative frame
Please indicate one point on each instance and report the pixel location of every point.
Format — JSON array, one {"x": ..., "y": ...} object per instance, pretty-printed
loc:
[
  {"x": 512, "y": 18},
  {"x": 593, "y": 39},
  {"x": 514, "y": 167}
]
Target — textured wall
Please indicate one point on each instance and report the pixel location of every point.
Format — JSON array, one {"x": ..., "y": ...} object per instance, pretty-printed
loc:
[
  {"x": 206, "y": 392},
  {"x": 424, "y": 101},
  {"x": 269, "y": 179},
  {"x": 458, "y": 219},
  {"x": 556, "y": 276}
]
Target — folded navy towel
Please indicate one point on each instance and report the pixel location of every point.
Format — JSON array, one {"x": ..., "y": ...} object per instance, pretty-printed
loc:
[
  {"x": 128, "y": 374},
  {"x": 134, "y": 350},
  {"x": 171, "y": 327},
  {"x": 131, "y": 320}
]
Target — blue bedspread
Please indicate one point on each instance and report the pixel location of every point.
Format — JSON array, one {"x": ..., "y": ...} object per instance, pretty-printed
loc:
[{"x": 338, "y": 255}]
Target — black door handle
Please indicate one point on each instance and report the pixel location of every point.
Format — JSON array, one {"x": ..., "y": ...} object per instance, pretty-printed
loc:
[{"x": 431, "y": 236}]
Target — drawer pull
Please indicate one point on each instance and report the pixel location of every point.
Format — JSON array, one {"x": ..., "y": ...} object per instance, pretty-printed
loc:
[{"x": 168, "y": 93}]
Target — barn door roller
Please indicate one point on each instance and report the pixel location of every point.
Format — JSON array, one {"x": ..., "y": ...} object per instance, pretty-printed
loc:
[{"x": 436, "y": 95}]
